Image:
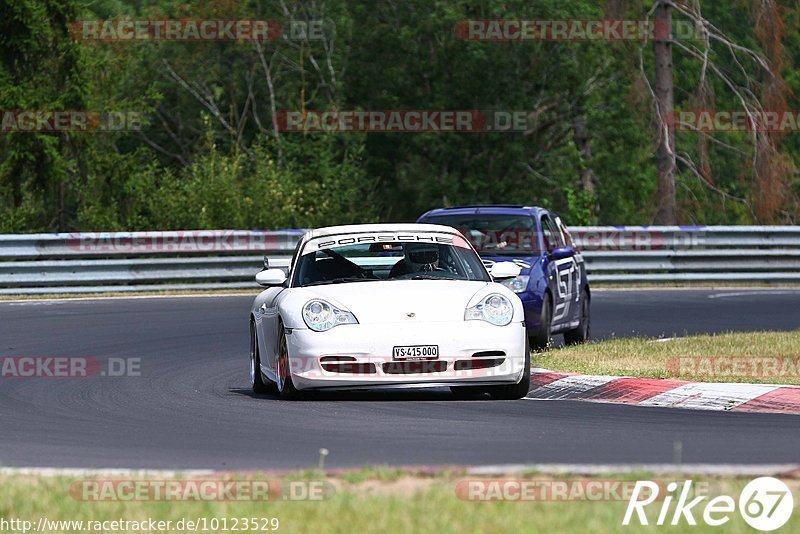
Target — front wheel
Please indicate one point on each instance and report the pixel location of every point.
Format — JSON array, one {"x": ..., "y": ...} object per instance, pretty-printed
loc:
[
  {"x": 518, "y": 390},
  {"x": 542, "y": 338},
  {"x": 581, "y": 333},
  {"x": 256, "y": 378},
  {"x": 283, "y": 372}
]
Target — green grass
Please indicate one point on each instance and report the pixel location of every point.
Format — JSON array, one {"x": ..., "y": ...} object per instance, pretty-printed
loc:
[
  {"x": 380, "y": 473},
  {"x": 404, "y": 503},
  {"x": 687, "y": 358}
]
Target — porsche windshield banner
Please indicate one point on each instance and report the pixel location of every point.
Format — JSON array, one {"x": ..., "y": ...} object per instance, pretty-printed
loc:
[{"x": 346, "y": 240}]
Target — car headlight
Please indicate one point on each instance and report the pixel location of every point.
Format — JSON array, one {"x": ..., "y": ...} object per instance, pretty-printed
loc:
[
  {"x": 495, "y": 309},
  {"x": 518, "y": 284},
  {"x": 320, "y": 315}
]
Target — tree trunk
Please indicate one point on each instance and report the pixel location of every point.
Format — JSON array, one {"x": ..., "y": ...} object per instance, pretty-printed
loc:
[
  {"x": 588, "y": 179},
  {"x": 667, "y": 213}
]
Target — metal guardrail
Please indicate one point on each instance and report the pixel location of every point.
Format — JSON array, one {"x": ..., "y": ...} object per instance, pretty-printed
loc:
[
  {"x": 630, "y": 255},
  {"x": 177, "y": 260},
  {"x": 111, "y": 244}
]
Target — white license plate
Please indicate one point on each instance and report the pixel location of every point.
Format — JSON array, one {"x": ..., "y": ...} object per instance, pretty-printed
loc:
[{"x": 416, "y": 352}]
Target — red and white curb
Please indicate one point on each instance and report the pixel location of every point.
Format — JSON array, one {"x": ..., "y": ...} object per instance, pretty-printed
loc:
[{"x": 732, "y": 397}]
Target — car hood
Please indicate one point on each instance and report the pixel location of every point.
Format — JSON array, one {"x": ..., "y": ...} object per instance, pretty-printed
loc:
[
  {"x": 392, "y": 301},
  {"x": 526, "y": 262}
]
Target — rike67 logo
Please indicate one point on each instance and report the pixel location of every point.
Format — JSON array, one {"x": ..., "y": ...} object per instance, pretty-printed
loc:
[{"x": 765, "y": 504}]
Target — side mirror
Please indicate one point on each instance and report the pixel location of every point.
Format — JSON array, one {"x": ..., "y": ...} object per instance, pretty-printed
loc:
[
  {"x": 559, "y": 253},
  {"x": 271, "y": 277},
  {"x": 505, "y": 270},
  {"x": 266, "y": 262}
]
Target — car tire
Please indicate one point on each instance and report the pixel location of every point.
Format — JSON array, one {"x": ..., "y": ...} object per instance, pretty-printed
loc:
[
  {"x": 518, "y": 390},
  {"x": 284, "y": 384},
  {"x": 257, "y": 382},
  {"x": 581, "y": 333},
  {"x": 542, "y": 338}
]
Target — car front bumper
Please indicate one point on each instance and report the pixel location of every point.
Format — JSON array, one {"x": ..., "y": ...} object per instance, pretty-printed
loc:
[{"x": 360, "y": 356}]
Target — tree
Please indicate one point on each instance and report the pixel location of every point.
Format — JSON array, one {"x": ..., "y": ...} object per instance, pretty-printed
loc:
[{"x": 667, "y": 213}]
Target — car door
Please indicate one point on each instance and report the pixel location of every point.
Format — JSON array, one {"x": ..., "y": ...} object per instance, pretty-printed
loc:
[
  {"x": 267, "y": 321},
  {"x": 560, "y": 272},
  {"x": 577, "y": 270}
]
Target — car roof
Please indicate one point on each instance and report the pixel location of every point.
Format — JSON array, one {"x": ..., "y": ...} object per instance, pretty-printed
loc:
[
  {"x": 366, "y": 228},
  {"x": 489, "y": 209}
]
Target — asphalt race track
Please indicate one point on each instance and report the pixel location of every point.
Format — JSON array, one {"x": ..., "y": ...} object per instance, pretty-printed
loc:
[{"x": 192, "y": 407}]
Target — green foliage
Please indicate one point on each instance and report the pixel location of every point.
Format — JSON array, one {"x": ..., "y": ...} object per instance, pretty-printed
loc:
[
  {"x": 318, "y": 184},
  {"x": 208, "y": 156}
]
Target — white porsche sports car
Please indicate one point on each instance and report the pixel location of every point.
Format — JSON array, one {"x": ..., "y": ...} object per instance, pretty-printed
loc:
[{"x": 388, "y": 305}]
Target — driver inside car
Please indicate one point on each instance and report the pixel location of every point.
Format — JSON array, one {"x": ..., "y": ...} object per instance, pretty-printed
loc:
[{"x": 417, "y": 258}]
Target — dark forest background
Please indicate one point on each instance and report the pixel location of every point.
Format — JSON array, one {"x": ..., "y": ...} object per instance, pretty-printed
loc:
[{"x": 209, "y": 157}]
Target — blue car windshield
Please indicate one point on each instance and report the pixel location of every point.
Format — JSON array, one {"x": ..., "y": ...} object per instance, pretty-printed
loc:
[{"x": 495, "y": 235}]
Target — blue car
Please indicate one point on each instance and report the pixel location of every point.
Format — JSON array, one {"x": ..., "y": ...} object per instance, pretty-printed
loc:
[{"x": 552, "y": 285}]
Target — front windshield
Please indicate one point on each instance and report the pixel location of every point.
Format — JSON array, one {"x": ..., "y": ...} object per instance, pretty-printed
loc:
[
  {"x": 497, "y": 235},
  {"x": 332, "y": 260}
]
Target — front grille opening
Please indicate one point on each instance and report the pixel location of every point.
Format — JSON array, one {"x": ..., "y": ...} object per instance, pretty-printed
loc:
[
  {"x": 489, "y": 354},
  {"x": 414, "y": 368},
  {"x": 353, "y": 368},
  {"x": 486, "y": 363},
  {"x": 347, "y": 365},
  {"x": 337, "y": 359}
]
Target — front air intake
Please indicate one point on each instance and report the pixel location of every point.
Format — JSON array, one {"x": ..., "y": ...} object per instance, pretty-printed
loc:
[
  {"x": 414, "y": 368},
  {"x": 346, "y": 365}
]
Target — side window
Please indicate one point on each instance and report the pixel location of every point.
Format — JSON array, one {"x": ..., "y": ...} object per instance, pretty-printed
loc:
[
  {"x": 295, "y": 254},
  {"x": 566, "y": 237},
  {"x": 551, "y": 235}
]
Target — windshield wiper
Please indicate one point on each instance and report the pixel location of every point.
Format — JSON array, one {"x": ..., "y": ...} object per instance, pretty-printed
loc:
[
  {"x": 341, "y": 280},
  {"x": 429, "y": 277}
]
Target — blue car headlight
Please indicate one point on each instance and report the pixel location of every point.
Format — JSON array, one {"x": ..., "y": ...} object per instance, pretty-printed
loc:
[
  {"x": 320, "y": 315},
  {"x": 494, "y": 309},
  {"x": 518, "y": 284}
]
